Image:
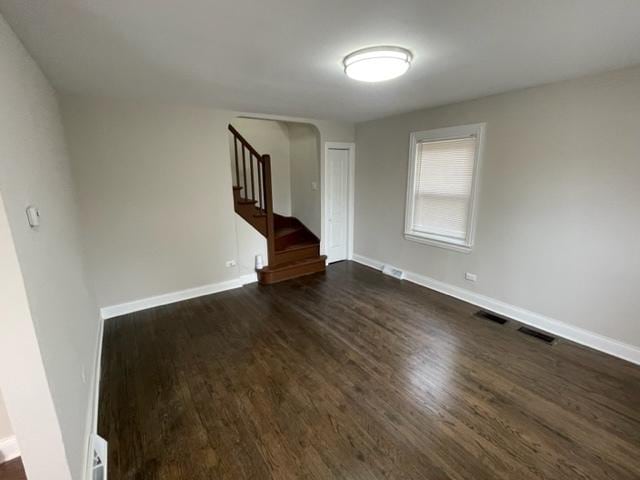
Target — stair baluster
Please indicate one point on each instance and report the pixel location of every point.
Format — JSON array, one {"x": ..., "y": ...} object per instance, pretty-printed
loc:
[
  {"x": 244, "y": 170},
  {"x": 271, "y": 237},
  {"x": 260, "y": 201},
  {"x": 235, "y": 148},
  {"x": 253, "y": 184}
]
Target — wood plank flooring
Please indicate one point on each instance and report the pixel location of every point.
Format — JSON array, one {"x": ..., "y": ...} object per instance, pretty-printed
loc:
[
  {"x": 12, "y": 470},
  {"x": 355, "y": 375}
]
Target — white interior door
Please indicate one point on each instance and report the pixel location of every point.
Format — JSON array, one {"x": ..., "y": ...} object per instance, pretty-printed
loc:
[{"x": 338, "y": 204}]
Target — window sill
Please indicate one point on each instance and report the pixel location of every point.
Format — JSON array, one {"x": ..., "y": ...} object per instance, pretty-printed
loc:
[{"x": 438, "y": 242}]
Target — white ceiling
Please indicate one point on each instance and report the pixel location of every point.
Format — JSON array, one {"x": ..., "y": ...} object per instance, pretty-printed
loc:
[{"x": 284, "y": 56}]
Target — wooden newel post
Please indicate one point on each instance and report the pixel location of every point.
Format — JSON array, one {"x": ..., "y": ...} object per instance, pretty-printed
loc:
[{"x": 271, "y": 234}]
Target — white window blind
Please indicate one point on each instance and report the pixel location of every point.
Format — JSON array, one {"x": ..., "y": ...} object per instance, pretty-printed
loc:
[
  {"x": 441, "y": 189},
  {"x": 444, "y": 173}
]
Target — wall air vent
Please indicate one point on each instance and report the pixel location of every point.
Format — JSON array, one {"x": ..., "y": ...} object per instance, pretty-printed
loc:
[
  {"x": 492, "y": 317},
  {"x": 545, "y": 337},
  {"x": 393, "y": 272}
]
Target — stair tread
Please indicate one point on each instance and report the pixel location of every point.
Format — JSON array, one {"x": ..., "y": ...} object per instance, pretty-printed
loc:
[{"x": 247, "y": 201}]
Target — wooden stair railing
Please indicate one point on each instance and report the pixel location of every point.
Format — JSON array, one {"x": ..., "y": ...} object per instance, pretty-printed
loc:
[
  {"x": 263, "y": 177},
  {"x": 292, "y": 249}
]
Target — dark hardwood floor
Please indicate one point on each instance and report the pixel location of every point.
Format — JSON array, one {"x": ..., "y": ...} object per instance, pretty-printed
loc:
[
  {"x": 356, "y": 375},
  {"x": 12, "y": 470}
]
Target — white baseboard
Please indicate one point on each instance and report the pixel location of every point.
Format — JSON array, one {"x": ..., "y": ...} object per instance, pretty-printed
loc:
[
  {"x": 9, "y": 449},
  {"x": 173, "y": 297},
  {"x": 137, "y": 305},
  {"x": 97, "y": 374},
  {"x": 95, "y": 401},
  {"x": 248, "y": 278},
  {"x": 579, "y": 335},
  {"x": 369, "y": 262}
]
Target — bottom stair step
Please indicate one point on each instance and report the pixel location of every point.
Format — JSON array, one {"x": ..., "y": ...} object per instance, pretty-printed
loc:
[{"x": 287, "y": 271}]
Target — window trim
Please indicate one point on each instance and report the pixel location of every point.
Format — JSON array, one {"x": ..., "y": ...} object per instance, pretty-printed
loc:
[{"x": 447, "y": 133}]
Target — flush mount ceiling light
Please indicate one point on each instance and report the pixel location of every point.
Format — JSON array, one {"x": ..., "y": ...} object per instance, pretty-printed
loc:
[{"x": 377, "y": 64}]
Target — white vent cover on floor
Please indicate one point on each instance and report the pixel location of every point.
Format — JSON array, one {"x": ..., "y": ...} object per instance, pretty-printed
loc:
[
  {"x": 394, "y": 272},
  {"x": 99, "y": 458}
]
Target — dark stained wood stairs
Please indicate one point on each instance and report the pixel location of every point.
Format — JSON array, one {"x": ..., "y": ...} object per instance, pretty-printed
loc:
[{"x": 293, "y": 250}]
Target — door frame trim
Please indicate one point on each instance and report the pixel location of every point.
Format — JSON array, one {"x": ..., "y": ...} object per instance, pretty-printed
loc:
[{"x": 351, "y": 147}]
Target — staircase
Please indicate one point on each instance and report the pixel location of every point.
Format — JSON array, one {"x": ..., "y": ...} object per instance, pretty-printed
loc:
[{"x": 293, "y": 250}]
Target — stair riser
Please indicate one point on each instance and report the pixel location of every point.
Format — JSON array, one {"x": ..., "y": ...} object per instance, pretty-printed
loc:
[
  {"x": 267, "y": 278},
  {"x": 296, "y": 255},
  {"x": 282, "y": 221},
  {"x": 292, "y": 238}
]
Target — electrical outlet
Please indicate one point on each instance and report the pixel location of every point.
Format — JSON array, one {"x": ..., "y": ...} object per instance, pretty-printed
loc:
[
  {"x": 83, "y": 375},
  {"x": 230, "y": 263},
  {"x": 314, "y": 185},
  {"x": 472, "y": 277},
  {"x": 33, "y": 215}
]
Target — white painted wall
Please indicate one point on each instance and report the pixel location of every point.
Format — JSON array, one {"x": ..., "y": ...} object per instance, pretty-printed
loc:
[
  {"x": 6, "y": 430},
  {"x": 305, "y": 170},
  {"x": 270, "y": 137},
  {"x": 58, "y": 326},
  {"x": 25, "y": 383},
  {"x": 250, "y": 243},
  {"x": 558, "y": 225},
  {"x": 154, "y": 187}
]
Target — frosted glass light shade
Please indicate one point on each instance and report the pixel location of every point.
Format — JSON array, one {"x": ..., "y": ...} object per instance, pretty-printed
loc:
[{"x": 377, "y": 64}]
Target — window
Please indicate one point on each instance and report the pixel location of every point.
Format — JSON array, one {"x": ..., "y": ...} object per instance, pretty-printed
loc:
[{"x": 441, "y": 190}]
